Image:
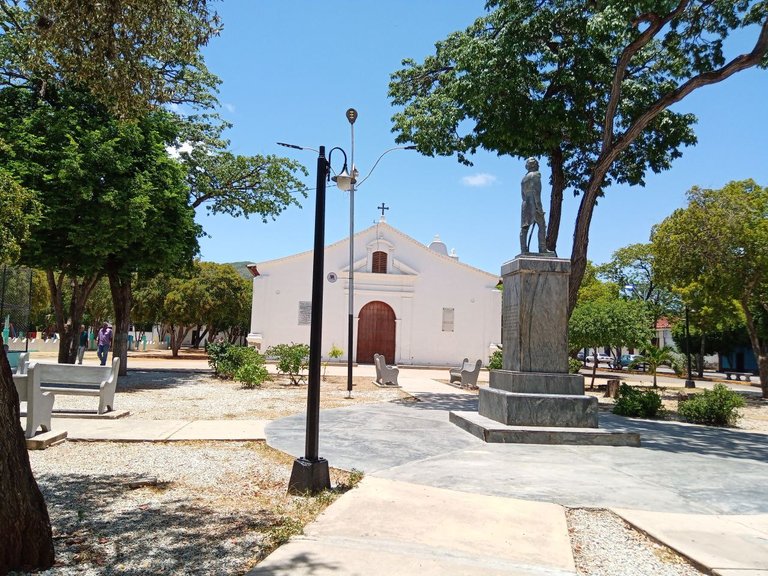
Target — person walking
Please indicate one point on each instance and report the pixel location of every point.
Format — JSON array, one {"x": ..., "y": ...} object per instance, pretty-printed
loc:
[
  {"x": 83, "y": 343},
  {"x": 104, "y": 340}
]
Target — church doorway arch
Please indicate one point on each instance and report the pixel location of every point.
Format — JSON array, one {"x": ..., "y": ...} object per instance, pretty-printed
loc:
[{"x": 376, "y": 333}]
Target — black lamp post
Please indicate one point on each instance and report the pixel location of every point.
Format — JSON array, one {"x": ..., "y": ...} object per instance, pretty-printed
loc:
[
  {"x": 689, "y": 383},
  {"x": 310, "y": 473}
]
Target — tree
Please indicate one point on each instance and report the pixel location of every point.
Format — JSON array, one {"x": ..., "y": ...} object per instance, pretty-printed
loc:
[
  {"x": 109, "y": 191},
  {"x": 718, "y": 242},
  {"x": 211, "y": 295},
  {"x": 608, "y": 321},
  {"x": 589, "y": 85},
  {"x": 654, "y": 357},
  {"x": 633, "y": 269},
  {"x": 227, "y": 183},
  {"x": 134, "y": 54}
]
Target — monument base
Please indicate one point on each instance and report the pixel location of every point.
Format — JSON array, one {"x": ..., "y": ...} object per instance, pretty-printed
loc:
[
  {"x": 491, "y": 431},
  {"x": 559, "y": 410},
  {"x": 537, "y": 382},
  {"x": 309, "y": 476}
]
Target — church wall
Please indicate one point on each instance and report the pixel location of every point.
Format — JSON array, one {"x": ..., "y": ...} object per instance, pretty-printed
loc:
[{"x": 417, "y": 292}]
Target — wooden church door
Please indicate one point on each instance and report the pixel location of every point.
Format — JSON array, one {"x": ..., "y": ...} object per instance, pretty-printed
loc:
[{"x": 376, "y": 333}]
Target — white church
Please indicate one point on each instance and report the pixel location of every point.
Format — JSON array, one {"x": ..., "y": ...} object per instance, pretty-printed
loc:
[{"x": 413, "y": 303}]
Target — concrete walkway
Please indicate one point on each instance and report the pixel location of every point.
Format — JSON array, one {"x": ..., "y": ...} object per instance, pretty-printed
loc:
[{"x": 437, "y": 500}]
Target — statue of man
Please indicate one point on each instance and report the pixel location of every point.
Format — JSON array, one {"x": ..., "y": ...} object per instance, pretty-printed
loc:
[{"x": 532, "y": 212}]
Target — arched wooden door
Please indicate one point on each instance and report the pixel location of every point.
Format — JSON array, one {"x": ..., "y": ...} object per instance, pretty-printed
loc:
[{"x": 376, "y": 333}]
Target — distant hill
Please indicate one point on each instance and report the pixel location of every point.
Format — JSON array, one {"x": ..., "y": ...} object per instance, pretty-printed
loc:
[{"x": 242, "y": 269}]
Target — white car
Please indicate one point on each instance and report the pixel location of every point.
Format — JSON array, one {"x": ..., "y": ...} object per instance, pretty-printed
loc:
[{"x": 603, "y": 358}]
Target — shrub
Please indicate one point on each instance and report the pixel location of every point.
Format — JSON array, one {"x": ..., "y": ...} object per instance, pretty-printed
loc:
[
  {"x": 335, "y": 352},
  {"x": 495, "y": 361},
  {"x": 716, "y": 407},
  {"x": 574, "y": 366},
  {"x": 239, "y": 362},
  {"x": 216, "y": 353},
  {"x": 292, "y": 359},
  {"x": 252, "y": 374},
  {"x": 636, "y": 402}
]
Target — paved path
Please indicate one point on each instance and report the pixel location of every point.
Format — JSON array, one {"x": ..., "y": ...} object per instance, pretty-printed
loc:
[
  {"x": 437, "y": 500},
  {"x": 699, "y": 490}
]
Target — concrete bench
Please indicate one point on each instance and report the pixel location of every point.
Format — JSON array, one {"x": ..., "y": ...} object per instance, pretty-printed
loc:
[
  {"x": 385, "y": 375},
  {"x": 78, "y": 380},
  {"x": 39, "y": 403},
  {"x": 737, "y": 375},
  {"x": 466, "y": 373}
]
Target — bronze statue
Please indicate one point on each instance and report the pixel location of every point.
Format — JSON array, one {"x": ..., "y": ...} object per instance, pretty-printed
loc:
[{"x": 532, "y": 212}]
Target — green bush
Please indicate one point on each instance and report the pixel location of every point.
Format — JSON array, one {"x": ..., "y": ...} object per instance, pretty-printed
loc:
[
  {"x": 292, "y": 359},
  {"x": 716, "y": 407},
  {"x": 637, "y": 402},
  {"x": 495, "y": 361},
  {"x": 574, "y": 366},
  {"x": 242, "y": 363},
  {"x": 252, "y": 374},
  {"x": 216, "y": 353}
]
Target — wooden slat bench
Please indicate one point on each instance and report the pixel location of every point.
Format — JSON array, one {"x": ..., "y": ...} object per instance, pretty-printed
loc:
[{"x": 78, "y": 380}]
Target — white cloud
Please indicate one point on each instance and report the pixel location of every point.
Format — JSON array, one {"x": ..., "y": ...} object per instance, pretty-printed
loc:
[
  {"x": 477, "y": 180},
  {"x": 230, "y": 108}
]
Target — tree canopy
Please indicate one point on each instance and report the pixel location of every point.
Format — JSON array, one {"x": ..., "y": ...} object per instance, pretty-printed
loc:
[
  {"x": 131, "y": 54},
  {"x": 588, "y": 85},
  {"x": 716, "y": 248}
]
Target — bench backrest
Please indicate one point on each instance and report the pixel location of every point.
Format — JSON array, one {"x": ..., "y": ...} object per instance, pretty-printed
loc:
[{"x": 75, "y": 373}]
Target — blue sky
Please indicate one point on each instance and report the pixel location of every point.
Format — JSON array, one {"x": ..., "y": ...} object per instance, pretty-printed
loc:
[{"x": 290, "y": 69}]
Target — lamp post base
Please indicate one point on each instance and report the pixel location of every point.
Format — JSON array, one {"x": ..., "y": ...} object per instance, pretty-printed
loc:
[
  {"x": 309, "y": 476},
  {"x": 690, "y": 384}
]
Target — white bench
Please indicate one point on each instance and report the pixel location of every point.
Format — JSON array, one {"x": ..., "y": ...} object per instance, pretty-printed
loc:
[
  {"x": 466, "y": 373},
  {"x": 385, "y": 375},
  {"x": 39, "y": 403},
  {"x": 78, "y": 380}
]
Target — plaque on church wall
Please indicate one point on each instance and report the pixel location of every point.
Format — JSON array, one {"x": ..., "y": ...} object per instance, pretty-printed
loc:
[{"x": 305, "y": 313}]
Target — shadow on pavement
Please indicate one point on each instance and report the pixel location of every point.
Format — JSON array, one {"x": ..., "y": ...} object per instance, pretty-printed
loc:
[
  {"x": 702, "y": 440},
  {"x": 138, "y": 379},
  {"x": 435, "y": 401}
]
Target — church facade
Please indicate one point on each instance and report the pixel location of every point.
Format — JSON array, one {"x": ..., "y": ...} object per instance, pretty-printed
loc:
[{"x": 413, "y": 303}]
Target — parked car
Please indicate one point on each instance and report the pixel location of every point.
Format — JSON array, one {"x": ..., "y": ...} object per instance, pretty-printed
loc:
[
  {"x": 627, "y": 359},
  {"x": 603, "y": 358}
]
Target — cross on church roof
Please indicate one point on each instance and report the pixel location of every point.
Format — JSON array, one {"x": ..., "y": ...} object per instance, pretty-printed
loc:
[{"x": 382, "y": 208}]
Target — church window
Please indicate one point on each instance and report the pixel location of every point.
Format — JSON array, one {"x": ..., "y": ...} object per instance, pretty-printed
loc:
[
  {"x": 305, "y": 313},
  {"x": 379, "y": 264},
  {"x": 447, "y": 319}
]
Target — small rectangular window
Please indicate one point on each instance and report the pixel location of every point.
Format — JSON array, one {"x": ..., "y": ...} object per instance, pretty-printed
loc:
[
  {"x": 447, "y": 319},
  {"x": 305, "y": 313}
]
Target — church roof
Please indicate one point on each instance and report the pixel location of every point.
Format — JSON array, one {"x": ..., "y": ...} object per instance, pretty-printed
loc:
[{"x": 394, "y": 231}]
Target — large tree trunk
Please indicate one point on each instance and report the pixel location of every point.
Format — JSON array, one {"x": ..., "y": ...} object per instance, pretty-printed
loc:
[
  {"x": 27, "y": 539},
  {"x": 700, "y": 355},
  {"x": 555, "y": 198},
  {"x": 759, "y": 348},
  {"x": 120, "y": 288},
  {"x": 68, "y": 319}
]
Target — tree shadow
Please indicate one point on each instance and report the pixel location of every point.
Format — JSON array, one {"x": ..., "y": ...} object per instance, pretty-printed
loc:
[
  {"x": 97, "y": 527},
  {"x": 440, "y": 401},
  {"x": 138, "y": 380},
  {"x": 681, "y": 437}
]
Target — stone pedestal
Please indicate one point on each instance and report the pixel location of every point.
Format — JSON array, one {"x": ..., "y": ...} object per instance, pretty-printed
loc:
[{"x": 534, "y": 399}]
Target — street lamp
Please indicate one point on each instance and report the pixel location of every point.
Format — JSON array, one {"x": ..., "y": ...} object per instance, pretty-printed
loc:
[
  {"x": 310, "y": 473},
  {"x": 689, "y": 383},
  {"x": 347, "y": 182}
]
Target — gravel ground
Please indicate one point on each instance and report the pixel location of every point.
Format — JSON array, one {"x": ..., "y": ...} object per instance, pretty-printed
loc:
[
  {"x": 605, "y": 545},
  {"x": 177, "y": 395},
  {"x": 216, "y": 508}
]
